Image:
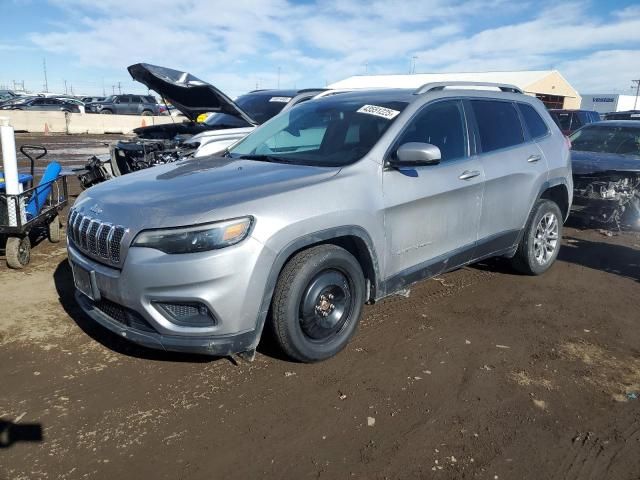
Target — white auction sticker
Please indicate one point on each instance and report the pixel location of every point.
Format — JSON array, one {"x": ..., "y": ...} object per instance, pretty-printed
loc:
[
  {"x": 379, "y": 111},
  {"x": 280, "y": 99}
]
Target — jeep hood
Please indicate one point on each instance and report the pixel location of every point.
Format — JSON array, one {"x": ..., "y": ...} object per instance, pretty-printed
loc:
[
  {"x": 188, "y": 93},
  {"x": 586, "y": 163},
  {"x": 190, "y": 191}
]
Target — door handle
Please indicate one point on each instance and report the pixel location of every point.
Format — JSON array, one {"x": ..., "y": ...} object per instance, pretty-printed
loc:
[
  {"x": 467, "y": 174},
  {"x": 534, "y": 158}
]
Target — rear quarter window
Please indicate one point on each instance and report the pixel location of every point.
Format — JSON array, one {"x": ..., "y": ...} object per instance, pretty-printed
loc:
[
  {"x": 498, "y": 124},
  {"x": 533, "y": 121}
]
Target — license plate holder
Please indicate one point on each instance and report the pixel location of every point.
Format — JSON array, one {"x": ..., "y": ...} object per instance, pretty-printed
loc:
[{"x": 85, "y": 282}]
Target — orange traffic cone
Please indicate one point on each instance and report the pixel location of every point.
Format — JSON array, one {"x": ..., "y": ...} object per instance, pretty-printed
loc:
[
  {"x": 144, "y": 124},
  {"x": 46, "y": 128}
]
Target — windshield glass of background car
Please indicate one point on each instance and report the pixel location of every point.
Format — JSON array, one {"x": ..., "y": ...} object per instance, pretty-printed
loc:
[
  {"x": 259, "y": 107},
  {"x": 324, "y": 133},
  {"x": 607, "y": 139}
]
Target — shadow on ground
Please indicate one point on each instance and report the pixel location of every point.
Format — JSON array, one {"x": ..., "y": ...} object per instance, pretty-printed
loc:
[{"x": 607, "y": 257}]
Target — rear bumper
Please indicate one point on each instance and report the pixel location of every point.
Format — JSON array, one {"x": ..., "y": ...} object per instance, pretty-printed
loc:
[{"x": 213, "y": 345}]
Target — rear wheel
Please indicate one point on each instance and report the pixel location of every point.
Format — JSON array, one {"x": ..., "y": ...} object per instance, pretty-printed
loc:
[
  {"x": 106, "y": 112},
  {"x": 540, "y": 243},
  {"x": 317, "y": 303},
  {"x": 147, "y": 113},
  {"x": 18, "y": 252},
  {"x": 54, "y": 230}
]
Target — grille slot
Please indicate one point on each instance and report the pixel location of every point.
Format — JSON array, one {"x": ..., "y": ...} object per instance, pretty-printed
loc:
[
  {"x": 123, "y": 315},
  {"x": 97, "y": 239}
]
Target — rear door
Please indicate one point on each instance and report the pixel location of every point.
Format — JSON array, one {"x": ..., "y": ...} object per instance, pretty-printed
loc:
[
  {"x": 514, "y": 168},
  {"x": 432, "y": 212}
]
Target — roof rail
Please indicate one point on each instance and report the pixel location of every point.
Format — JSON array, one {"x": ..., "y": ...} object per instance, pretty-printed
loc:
[{"x": 434, "y": 86}]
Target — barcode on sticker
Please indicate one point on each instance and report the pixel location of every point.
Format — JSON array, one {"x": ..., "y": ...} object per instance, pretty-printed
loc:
[
  {"x": 280, "y": 99},
  {"x": 379, "y": 111}
]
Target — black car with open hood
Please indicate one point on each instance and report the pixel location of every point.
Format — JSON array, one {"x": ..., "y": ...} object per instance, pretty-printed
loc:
[
  {"x": 164, "y": 143},
  {"x": 605, "y": 158}
]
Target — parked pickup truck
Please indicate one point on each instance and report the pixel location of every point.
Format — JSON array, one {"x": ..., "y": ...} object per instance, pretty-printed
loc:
[{"x": 127, "y": 105}]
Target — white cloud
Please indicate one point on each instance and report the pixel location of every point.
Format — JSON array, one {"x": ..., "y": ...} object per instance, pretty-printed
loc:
[{"x": 236, "y": 44}]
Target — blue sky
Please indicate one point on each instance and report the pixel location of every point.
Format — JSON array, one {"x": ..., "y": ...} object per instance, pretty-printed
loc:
[{"x": 241, "y": 45}]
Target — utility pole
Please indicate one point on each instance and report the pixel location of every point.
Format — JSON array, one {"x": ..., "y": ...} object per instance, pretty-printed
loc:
[
  {"x": 44, "y": 68},
  {"x": 113, "y": 89},
  {"x": 413, "y": 64},
  {"x": 366, "y": 67},
  {"x": 104, "y": 94},
  {"x": 637, "y": 84},
  {"x": 278, "y": 77},
  {"x": 65, "y": 87},
  {"x": 119, "y": 89}
]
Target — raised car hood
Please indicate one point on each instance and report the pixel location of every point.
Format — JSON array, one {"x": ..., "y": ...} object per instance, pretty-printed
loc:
[
  {"x": 585, "y": 163},
  {"x": 189, "y": 94},
  {"x": 189, "y": 191}
]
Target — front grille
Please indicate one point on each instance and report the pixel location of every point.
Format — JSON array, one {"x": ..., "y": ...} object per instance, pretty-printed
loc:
[
  {"x": 123, "y": 315},
  {"x": 95, "y": 238}
]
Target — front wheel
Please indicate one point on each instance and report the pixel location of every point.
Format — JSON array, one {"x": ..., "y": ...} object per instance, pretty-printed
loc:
[
  {"x": 106, "y": 112},
  {"x": 540, "y": 243},
  {"x": 317, "y": 303},
  {"x": 18, "y": 252}
]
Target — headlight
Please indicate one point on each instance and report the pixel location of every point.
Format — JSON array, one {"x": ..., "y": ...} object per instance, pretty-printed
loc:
[{"x": 199, "y": 238}]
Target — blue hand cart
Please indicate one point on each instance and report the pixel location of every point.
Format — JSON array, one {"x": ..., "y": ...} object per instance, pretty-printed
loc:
[{"x": 36, "y": 207}]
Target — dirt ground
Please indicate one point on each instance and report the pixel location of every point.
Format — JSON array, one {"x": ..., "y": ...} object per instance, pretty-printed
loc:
[{"x": 479, "y": 373}]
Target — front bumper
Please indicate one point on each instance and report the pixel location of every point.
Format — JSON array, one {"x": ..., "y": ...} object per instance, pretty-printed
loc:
[
  {"x": 209, "y": 345},
  {"x": 230, "y": 282}
]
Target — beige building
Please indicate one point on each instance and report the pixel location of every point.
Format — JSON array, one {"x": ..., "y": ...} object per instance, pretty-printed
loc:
[{"x": 548, "y": 85}]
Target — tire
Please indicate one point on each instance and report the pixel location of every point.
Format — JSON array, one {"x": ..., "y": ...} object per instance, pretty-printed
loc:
[
  {"x": 18, "y": 252},
  {"x": 317, "y": 303},
  {"x": 540, "y": 243},
  {"x": 147, "y": 113},
  {"x": 106, "y": 112},
  {"x": 54, "y": 230}
]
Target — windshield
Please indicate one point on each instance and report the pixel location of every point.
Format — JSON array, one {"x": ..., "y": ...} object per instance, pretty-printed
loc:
[
  {"x": 258, "y": 106},
  {"x": 328, "y": 132},
  {"x": 607, "y": 139}
]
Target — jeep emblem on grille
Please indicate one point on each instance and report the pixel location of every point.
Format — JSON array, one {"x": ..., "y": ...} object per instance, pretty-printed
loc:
[{"x": 96, "y": 209}]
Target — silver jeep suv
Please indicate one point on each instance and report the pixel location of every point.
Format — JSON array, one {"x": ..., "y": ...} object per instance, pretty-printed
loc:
[{"x": 338, "y": 202}]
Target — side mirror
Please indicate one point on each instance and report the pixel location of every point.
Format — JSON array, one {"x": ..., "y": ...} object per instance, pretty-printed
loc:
[{"x": 416, "y": 154}]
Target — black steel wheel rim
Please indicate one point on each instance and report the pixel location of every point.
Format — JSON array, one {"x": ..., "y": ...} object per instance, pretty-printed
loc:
[{"x": 326, "y": 305}]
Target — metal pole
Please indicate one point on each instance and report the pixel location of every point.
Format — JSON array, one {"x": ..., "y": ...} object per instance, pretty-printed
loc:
[
  {"x": 278, "y": 77},
  {"x": 44, "y": 68},
  {"x": 635, "y": 104}
]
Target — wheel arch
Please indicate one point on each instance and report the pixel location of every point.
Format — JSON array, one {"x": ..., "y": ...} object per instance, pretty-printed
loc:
[
  {"x": 557, "y": 191},
  {"x": 352, "y": 238}
]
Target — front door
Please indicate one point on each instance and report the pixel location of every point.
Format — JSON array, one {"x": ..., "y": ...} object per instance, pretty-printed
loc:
[{"x": 432, "y": 212}]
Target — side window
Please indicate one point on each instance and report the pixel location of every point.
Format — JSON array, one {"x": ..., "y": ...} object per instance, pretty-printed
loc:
[
  {"x": 535, "y": 125},
  {"x": 498, "y": 124},
  {"x": 135, "y": 99},
  {"x": 441, "y": 124},
  {"x": 39, "y": 101}
]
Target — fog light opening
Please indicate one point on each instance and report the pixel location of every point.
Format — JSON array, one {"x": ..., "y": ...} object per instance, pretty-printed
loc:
[{"x": 187, "y": 314}]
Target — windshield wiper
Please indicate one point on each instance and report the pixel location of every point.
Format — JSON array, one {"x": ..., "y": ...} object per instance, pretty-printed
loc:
[{"x": 265, "y": 158}]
